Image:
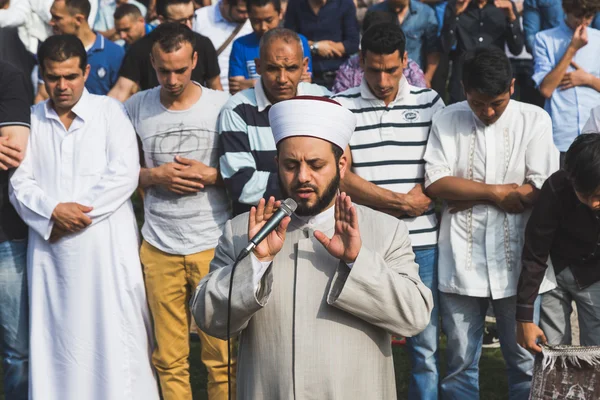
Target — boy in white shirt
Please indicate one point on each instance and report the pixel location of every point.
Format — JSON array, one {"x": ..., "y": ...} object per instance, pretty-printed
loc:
[{"x": 487, "y": 157}]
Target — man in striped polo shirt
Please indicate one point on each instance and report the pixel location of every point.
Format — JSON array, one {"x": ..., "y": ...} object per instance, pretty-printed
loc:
[
  {"x": 248, "y": 160},
  {"x": 386, "y": 156}
]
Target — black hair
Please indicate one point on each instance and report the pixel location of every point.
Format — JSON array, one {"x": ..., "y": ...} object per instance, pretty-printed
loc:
[
  {"x": 581, "y": 8},
  {"x": 262, "y": 3},
  {"x": 377, "y": 17},
  {"x": 582, "y": 163},
  {"x": 60, "y": 48},
  {"x": 127, "y": 9},
  {"x": 82, "y": 7},
  {"x": 170, "y": 36},
  {"x": 383, "y": 38},
  {"x": 161, "y": 6},
  {"x": 487, "y": 71},
  {"x": 287, "y": 35}
]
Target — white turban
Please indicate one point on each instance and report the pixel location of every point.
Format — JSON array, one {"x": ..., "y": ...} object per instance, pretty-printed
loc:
[{"x": 313, "y": 116}]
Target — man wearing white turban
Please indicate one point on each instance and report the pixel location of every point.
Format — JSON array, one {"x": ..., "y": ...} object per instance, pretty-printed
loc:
[{"x": 317, "y": 301}]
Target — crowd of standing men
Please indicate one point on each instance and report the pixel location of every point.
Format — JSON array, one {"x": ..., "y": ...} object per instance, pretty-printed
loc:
[{"x": 212, "y": 112}]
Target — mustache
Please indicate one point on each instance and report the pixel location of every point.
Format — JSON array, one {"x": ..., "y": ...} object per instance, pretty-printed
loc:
[{"x": 306, "y": 186}]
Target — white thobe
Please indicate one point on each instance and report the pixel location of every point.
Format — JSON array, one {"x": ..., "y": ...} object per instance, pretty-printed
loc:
[
  {"x": 480, "y": 248},
  {"x": 90, "y": 329}
]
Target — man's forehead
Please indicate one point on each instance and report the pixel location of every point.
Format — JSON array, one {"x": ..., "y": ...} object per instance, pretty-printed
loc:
[
  {"x": 184, "y": 51},
  {"x": 180, "y": 10},
  {"x": 66, "y": 67},
  {"x": 485, "y": 98},
  {"x": 305, "y": 147}
]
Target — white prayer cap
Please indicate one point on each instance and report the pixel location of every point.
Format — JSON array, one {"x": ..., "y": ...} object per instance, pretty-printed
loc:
[{"x": 313, "y": 116}]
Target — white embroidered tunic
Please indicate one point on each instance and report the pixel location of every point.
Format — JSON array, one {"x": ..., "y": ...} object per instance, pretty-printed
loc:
[{"x": 480, "y": 248}]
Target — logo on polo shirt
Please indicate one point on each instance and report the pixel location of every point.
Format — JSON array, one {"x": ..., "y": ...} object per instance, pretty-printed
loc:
[
  {"x": 101, "y": 72},
  {"x": 410, "y": 115}
]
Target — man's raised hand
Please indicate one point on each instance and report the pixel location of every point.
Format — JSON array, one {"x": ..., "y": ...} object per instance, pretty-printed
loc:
[
  {"x": 272, "y": 244},
  {"x": 346, "y": 242},
  {"x": 580, "y": 37}
]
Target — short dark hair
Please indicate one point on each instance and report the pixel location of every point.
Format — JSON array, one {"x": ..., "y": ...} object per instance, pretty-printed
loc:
[
  {"x": 287, "y": 35},
  {"x": 487, "y": 71},
  {"x": 262, "y": 3},
  {"x": 79, "y": 7},
  {"x": 60, "y": 48},
  {"x": 127, "y": 9},
  {"x": 582, "y": 163},
  {"x": 170, "y": 36},
  {"x": 161, "y": 5},
  {"x": 581, "y": 8},
  {"x": 375, "y": 17},
  {"x": 383, "y": 38}
]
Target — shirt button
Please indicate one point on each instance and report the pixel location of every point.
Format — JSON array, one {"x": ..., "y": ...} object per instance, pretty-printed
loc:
[
  {"x": 514, "y": 36},
  {"x": 457, "y": 18},
  {"x": 451, "y": 31},
  {"x": 481, "y": 24},
  {"x": 480, "y": 39}
]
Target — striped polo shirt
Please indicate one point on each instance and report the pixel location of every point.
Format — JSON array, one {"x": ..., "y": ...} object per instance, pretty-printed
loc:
[
  {"x": 248, "y": 148},
  {"x": 389, "y": 143}
]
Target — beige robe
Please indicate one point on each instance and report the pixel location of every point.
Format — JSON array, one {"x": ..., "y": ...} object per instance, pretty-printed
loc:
[{"x": 316, "y": 329}]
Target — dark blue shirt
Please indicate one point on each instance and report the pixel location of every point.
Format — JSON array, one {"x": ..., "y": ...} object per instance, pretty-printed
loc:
[
  {"x": 420, "y": 26},
  {"x": 336, "y": 21},
  {"x": 246, "y": 49},
  {"x": 104, "y": 58}
]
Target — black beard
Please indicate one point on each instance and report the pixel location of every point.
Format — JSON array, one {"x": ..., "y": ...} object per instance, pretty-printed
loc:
[{"x": 322, "y": 201}]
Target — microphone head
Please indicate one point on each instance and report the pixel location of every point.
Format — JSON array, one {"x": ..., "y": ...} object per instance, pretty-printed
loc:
[{"x": 289, "y": 206}]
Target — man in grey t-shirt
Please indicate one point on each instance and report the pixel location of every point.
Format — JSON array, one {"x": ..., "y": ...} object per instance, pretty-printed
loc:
[{"x": 185, "y": 206}]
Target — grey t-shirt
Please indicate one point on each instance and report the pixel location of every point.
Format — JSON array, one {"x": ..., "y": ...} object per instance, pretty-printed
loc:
[{"x": 180, "y": 224}]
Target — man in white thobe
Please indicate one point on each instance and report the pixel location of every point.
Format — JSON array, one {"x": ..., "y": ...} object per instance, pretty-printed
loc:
[
  {"x": 314, "y": 313},
  {"x": 90, "y": 329}
]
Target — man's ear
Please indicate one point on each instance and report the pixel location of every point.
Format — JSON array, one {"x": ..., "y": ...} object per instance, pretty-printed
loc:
[
  {"x": 512, "y": 87},
  {"x": 343, "y": 164},
  {"x": 86, "y": 72}
]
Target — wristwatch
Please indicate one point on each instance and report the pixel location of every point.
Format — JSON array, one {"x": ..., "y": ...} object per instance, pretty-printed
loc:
[{"x": 314, "y": 47}]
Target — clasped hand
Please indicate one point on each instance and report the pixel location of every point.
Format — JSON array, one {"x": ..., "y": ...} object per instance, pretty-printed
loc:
[
  {"x": 510, "y": 198},
  {"x": 69, "y": 218},
  {"x": 185, "y": 176},
  {"x": 345, "y": 244}
]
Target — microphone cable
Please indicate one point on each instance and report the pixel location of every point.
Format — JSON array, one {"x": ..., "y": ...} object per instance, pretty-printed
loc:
[{"x": 228, "y": 331}]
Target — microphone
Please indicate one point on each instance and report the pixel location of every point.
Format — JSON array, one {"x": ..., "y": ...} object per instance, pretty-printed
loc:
[{"x": 286, "y": 209}]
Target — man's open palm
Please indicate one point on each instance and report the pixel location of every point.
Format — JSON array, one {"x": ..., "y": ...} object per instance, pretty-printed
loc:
[{"x": 346, "y": 242}]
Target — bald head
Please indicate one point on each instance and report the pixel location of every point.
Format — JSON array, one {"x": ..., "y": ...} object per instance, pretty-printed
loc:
[{"x": 286, "y": 36}]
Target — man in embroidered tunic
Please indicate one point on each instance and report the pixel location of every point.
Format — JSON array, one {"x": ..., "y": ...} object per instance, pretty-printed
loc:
[
  {"x": 315, "y": 314},
  {"x": 487, "y": 157}
]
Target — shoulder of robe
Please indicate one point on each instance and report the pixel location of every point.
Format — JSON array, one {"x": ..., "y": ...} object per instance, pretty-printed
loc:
[{"x": 378, "y": 225}]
